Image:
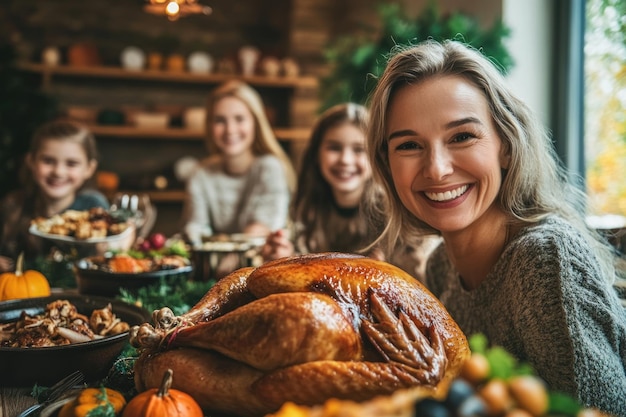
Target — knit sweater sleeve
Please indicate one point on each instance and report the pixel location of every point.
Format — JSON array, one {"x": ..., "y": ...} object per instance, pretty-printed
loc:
[
  {"x": 268, "y": 201},
  {"x": 196, "y": 207},
  {"x": 567, "y": 319}
]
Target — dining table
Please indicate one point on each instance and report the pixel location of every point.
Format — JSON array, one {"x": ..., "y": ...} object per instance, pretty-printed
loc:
[{"x": 14, "y": 400}]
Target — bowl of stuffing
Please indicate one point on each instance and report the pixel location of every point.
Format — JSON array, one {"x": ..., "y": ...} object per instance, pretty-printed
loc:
[
  {"x": 133, "y": 269},
  {"x": 46, "y": 338}
]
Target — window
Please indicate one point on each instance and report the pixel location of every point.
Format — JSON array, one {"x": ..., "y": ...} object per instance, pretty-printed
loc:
[{"x": 605, "y": 106}]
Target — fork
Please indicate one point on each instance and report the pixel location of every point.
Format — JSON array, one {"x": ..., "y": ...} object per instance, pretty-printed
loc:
[{"x": 55, "y": 392}]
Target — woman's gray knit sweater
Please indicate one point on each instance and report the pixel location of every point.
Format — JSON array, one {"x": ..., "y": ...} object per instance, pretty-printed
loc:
[
  {"x": 220, "y": 203},
  {"x": 546, "y": 302}
]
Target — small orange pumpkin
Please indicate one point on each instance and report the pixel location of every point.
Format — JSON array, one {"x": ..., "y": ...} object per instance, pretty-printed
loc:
[
  {"x": 163, "y": 402},
  {"x": 23, "y": 284},
  {"x": 90, "y": 399}
]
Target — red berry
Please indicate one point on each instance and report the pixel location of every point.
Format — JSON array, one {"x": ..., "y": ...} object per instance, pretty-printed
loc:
[
  {"x": 157, "y": 240},
  {"x": 145, "y": 246}
]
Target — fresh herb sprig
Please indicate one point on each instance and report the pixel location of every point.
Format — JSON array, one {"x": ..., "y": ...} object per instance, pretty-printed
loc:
[{"x": 179, "y": 294}]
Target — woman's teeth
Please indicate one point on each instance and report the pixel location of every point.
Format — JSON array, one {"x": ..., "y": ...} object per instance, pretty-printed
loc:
[
  {"x": 343, "y": 174},
  {"x": 448, "y": 195}
]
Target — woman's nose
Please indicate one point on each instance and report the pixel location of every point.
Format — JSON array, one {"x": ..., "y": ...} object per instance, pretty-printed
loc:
[
  {"x": 438, "y": 164},
  {"x": 58, "y": 169},
  {"x": 229, "y": 127},
  {"x": 347, "y": 156}
]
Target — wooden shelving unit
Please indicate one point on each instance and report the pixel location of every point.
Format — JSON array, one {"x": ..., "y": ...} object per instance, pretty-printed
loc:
[
  {"x": 165, "y": 196},
  {"x": 49, "y": 72},
  {"x": 131, "y": 132}
]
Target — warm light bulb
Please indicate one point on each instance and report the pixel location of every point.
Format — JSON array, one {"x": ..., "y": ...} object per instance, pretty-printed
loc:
[{"x": 172, "y": 8}]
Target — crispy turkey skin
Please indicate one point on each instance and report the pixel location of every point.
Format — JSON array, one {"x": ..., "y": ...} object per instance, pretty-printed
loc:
[{"x": 303, "y": 329}]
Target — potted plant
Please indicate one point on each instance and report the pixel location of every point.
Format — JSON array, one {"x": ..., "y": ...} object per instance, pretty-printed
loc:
[{"x": 356, "y": 61}]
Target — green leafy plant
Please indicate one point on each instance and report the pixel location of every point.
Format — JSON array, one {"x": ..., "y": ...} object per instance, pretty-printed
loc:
[{"x": 356, "y": 61}]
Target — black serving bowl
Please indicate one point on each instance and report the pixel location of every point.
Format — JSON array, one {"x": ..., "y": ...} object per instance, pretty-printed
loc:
[
  {"x": 92, "y": 280},
  {"x": 24, "y": 367}
]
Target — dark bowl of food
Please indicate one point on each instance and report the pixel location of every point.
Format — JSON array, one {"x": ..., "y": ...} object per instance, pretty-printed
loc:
[
  {"x": 46, "y": 353},
  {"x": 106, "y": 275}
]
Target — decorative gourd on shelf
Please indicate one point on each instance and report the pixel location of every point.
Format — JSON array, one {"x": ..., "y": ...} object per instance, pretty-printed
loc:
[
  {"x": 163, "y": 402},
  {"x": 23, "y": 284},
  {"x": 110, "y": 401}
]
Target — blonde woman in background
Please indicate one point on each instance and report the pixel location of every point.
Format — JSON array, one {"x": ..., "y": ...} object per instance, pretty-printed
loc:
[{"x": 245, "y": 184}]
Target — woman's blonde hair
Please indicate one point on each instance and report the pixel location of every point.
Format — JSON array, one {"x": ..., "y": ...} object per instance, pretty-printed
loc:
[
  {"x": 534, "y": 186},
  {"x": 265, "y": 141}
]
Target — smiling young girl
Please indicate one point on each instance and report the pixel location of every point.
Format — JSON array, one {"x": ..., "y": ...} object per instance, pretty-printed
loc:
[
  {"x": 327, "y": 210},
  {"x": 59, "y": 165},
  {"x": 460, "y": 155}
]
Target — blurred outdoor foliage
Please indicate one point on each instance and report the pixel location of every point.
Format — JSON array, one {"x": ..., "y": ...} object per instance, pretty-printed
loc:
[{"x": 605, "y": 102}]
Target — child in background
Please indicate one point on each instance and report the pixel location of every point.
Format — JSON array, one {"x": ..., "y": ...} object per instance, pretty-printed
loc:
[
  {"x": 328, "y": 211},
  {"x": 59, "y": 165},
  {"x": 245, "y": 185}
]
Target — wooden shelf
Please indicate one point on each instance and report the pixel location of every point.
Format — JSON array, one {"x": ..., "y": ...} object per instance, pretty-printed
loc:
[
  {"x": 286, "y": 134},
  {"x": 156, "y": 196},
  {"x": 161, "y": 75},
  {"x": 165, "y": 196}
]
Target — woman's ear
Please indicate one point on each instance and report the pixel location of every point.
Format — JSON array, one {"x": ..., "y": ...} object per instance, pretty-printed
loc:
[
  {"x": 505, "y": 158},
  {"x": 91, "y": 168},
  {"x": 28, "y": 160}
]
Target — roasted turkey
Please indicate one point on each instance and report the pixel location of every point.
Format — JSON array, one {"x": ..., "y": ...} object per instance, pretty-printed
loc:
[{"x": 303, "y": 329}]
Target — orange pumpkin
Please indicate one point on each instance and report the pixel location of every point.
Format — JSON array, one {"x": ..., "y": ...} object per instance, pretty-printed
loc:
[
  {"x": 91, "y": 398},
  {"x": 107, "y": 181},
  {"x": 163, "y": 402},
  {"x": 23, "y": 284}
]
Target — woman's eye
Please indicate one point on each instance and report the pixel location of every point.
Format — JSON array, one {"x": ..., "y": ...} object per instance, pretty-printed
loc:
[
  {"x": 333, "y": 148},
  {"x": 241, "y": 119},
  {"x": 408, "y": 146},
  {"x": 463, "y": 137}
]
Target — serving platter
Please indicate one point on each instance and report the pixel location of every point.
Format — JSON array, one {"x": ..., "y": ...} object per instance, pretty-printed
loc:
[{"x": 69, "y": 239}]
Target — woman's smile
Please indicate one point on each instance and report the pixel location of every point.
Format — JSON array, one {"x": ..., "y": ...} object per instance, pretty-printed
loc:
[{"x": 446, "y": 195}]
